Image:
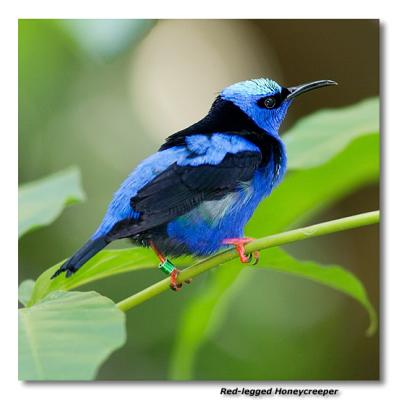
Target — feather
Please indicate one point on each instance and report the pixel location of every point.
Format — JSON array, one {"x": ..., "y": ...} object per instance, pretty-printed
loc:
[{"x": 179, "y": 189}]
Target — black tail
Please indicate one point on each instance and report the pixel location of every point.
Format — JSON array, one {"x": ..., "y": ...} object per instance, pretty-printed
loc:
[{"x": 84, "y": 254}]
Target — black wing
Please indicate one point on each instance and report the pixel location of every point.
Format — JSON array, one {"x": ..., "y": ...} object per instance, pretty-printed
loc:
[{"x": 179, "y": 189}]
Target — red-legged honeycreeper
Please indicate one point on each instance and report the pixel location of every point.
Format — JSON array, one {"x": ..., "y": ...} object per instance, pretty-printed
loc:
[{"x": 196, "y": 194}]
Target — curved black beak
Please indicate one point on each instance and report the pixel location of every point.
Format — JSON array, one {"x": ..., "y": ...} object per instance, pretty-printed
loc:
[{"x": 307, "y": 87}]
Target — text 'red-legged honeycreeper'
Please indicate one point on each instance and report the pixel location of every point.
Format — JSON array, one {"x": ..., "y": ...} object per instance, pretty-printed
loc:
[{"x": 196, "y": 194}]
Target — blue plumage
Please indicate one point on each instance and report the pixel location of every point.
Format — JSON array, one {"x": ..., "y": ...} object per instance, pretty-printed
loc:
[
  {"x": 200, "y": 149},
  {"x": 204, "y": 228},
  {"x": 206, "y": 181},
  {"x": 246, "y": 96}
]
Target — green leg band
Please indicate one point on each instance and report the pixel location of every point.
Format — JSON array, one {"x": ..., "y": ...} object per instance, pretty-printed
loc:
[{"x": 167, "y": 267}]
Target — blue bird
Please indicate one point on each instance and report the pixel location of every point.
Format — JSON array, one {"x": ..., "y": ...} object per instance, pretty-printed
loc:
[{"x": 196, "y": 194}]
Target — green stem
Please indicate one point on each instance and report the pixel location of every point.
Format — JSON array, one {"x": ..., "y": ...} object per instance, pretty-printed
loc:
[{"x": 325, "y": 228}]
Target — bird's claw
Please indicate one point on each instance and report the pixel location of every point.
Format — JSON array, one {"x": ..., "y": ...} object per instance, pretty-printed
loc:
[
  {"x": 167, "y": 267},
  {"x": 238, "y": 243},
  {"x": 173, "y": 280},
  {"x": 253, "y": 258}
]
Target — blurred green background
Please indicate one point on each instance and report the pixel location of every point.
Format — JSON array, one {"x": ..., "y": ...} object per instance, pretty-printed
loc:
[{"x": 103, "y": 94}]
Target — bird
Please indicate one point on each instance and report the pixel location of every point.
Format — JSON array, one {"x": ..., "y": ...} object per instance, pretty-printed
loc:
[{"x": 197, "y": 192}]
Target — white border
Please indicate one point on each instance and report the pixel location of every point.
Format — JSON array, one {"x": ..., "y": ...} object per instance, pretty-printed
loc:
[{"x": 201, "y": 9}]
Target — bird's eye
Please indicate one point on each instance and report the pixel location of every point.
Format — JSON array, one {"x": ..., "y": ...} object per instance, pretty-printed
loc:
[{"x": 269, "y": 102}]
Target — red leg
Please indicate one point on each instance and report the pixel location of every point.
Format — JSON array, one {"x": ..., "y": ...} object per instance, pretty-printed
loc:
[
  {"x": 173, "y": 274},
  {"x": 157, "y": 252},
  {"x": 239, "y": 245}
]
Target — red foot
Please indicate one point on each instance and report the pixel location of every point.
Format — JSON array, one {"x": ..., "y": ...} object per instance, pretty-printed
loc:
[
  {"x": 239, "y": 245},
  {"x": 175, "y": 272},
  {"x": 173, "y": 280}
]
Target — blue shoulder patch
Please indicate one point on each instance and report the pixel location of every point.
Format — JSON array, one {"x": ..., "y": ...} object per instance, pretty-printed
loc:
[{"x": 212, "y": 149}]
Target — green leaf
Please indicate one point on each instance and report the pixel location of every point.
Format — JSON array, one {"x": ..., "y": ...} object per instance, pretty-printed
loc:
[
  {"x": 41, "y": 202},
  {"x": 205, "y": 314},
  {"x": 304, "y": 193},
  {"x": 356, "y": 166},
  {"x": 319, "y": 137},
  {"x": 68, "y": 335},
  {"x": 332, "y": 276},
  {"x": 25, "y": 291},
  {"x": 102, "y": 265}
]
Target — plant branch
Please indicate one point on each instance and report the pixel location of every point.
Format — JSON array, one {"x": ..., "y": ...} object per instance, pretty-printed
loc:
[{"x": 325, "y": 228}]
